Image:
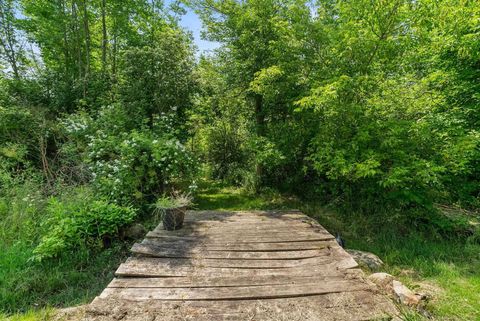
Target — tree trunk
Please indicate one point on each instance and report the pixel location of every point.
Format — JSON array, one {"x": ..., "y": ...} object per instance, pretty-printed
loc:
[
  {"x": 76, "y": 32},
  {"x": 7, "y": 36},
  {"x": 87, "y": 47},
  {"x": 104, "y": 37},
  {"x": 114, "y": 50},
  {"x": 260, "y": 128},
  {"x": 66, "y": 51}
]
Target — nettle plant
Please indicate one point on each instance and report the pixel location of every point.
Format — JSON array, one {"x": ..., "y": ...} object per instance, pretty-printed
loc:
[{"x": 133, "y": 165}]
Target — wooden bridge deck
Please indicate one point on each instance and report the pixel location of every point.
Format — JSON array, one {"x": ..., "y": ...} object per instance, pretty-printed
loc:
[{"x": 256, "y": 265}]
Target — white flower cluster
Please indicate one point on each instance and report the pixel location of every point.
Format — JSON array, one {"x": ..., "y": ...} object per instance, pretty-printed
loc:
[
  {"x": 193, "y": 187},
  {"x": 105, "y": 110},
  {"x": 74, "y": 125},
  {"x": 29, "y": 199},
  {"x": 116, "y": 162},
  {"x": 164, "y": 122}
]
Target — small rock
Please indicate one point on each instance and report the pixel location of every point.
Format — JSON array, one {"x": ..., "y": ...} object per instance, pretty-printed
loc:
[
  {"x": 383, "y": 281},
  {"x": 404, "y": 295},
  {"x": 366, "y": 259},
  {"x": 135, "y": 231},
  {"x": 71, "y": 313}
]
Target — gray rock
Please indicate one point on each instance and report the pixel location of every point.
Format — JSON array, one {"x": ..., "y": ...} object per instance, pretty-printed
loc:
[{"x": 366, "y": 259}]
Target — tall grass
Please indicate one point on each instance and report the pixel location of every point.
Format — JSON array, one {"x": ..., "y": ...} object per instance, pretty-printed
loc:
[{"x": 73, "y": 278}]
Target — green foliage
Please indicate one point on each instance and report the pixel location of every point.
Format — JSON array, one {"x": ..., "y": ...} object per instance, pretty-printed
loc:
[
  {"x": 128, "y": 166},
  {"x": 72, "y": 279},
  {"x": 176, "y": 200},
  {"x": 21, "y": 208},
  {"x": 75, "y": 277},
  {"x": 158, "y": 79},
  {"x": 18, "y": 137},
  {"x": 366, "y": 98},
  {"x": 80, "y": 221},
  {"x": 226, "y": 151}
]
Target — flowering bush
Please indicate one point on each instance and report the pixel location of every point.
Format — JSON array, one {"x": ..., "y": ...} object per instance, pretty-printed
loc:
[
  {"x": 128, "y": 166},
  {"x": 137, "y": 164},
  {"x": 129, "y": 160}
]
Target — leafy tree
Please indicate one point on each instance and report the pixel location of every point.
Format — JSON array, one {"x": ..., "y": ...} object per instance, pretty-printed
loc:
[{"x": 10, "y": 47}]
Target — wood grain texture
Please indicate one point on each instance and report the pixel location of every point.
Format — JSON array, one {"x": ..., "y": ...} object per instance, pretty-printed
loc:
[
  {"x": 158, "y": 250},
  {"x": 253, "y": 292},
  {"x": 228, "y": 265}
]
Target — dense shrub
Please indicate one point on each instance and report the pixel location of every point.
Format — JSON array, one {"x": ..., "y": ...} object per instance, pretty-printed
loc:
[
  {"x": 128, "y": 164},
  {"x": 157, "y": 79},
  {"x": 80, "y": 220},
  {"x": 19, "y": 137},
  {"x": 226, "y": 151}
]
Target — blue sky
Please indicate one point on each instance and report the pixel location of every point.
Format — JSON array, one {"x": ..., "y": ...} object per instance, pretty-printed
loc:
[{"x": 192, "y": 22}]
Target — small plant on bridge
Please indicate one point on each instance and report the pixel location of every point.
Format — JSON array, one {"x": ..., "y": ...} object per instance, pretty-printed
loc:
[{"x": 172, "y": 209}]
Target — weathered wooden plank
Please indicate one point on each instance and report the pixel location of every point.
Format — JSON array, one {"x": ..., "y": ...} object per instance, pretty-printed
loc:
[
  {"x": 229, "y": 231},
  {"x": 344, "y": 306},
  {"x": 234, "y": 246},
  {"x": 228, "y": 263},
  {"x": 245, "y": 237},
  {"x": 259, "y": 265},
  {"x": 222, "y": 281},
  {"x": 147, "y": 249},
  {"x": 367, "y": 298},
  {"x": 219, "y": 215},
  {"x": 222, "y": 216},
  {"x": 330, "y": 266},
  {"x": 239, "y": 227},
  {"x": 236, "y": 293},
  {"x": 212, "y": 226}
]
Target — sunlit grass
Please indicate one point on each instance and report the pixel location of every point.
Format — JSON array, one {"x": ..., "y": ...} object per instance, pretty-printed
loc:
[
  {"x": 74, "y": 278},
  {"x": 32, "y": 315}
]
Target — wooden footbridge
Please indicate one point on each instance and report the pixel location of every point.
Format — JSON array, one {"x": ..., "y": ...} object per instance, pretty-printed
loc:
[{"x": 256, "y": 265}]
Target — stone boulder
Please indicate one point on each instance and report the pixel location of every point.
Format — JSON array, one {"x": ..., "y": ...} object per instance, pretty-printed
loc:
[
  {"x": 404, "y": 295},
  {"x": 366, "y": 259},
  {"x": 383, "y": 281}
]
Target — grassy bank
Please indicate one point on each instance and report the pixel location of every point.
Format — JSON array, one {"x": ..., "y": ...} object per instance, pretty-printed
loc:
[{"x": 72, "y": 279}]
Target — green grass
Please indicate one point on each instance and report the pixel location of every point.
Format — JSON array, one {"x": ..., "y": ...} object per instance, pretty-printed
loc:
[
  {"x": 32, "y": 315},
  {"x": 27, "y": 287},
  {"x": 426, "y": 261},
  {"x": 74, "y": 278}
]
